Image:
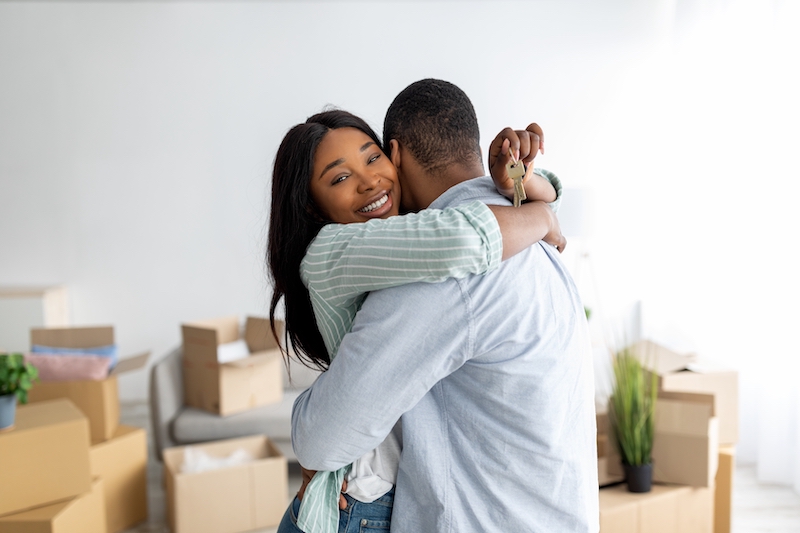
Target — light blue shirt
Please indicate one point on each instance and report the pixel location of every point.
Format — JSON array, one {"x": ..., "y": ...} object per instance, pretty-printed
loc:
[{"x": 492, "y": 376}]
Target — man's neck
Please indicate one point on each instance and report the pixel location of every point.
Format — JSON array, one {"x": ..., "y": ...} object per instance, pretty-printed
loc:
[
  {"x": 422, "y": 187},
  {"x": 451, "y": 176}
]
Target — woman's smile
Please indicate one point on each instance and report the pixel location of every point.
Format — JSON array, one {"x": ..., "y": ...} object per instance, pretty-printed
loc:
[{"x": 375, "y": 208}]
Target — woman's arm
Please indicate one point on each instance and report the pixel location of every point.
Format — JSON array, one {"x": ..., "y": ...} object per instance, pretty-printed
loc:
[
  {"x": 522, "y": 226},
  {"x": 349, "y": 260}
]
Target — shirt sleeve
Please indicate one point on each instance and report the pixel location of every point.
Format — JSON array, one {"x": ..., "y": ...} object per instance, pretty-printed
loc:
[
  {"x": 346, "y": 261},
  {"x": 556, "y": 183},
  {"x": 389, "y": 361}
]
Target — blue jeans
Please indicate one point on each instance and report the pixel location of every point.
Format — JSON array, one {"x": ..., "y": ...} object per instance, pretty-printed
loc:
[{"x": 358, "y": 517}]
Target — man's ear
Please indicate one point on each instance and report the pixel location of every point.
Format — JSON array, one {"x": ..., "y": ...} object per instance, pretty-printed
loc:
[{"x": 394, "y": 152}]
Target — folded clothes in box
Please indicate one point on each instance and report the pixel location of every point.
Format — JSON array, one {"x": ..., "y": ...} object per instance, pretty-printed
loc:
[
  {"x": 54, "y": 367},
  {"x": 109, "y": 351}
]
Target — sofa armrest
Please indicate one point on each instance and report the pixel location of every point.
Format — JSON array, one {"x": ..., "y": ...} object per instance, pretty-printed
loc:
[{"x": 166, "y": 398}]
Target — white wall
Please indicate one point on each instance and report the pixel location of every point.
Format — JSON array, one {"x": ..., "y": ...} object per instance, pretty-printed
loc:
[{"x": 136, "y": 140}]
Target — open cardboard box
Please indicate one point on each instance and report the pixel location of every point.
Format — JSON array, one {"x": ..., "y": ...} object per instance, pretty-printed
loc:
[
  {"x": 121, "y": 462},
  {"x": 98, "y": 399},
  {"x": 227, "y": 388},
  {"x": 686, "y": 373},
  {"x": 665, "y": 509},
  {"x": 44, "y": 458},
  {"x": 228, "y": 500},
  {"x": 82, "y": 514},
  {"x": 686, "y": 441}
]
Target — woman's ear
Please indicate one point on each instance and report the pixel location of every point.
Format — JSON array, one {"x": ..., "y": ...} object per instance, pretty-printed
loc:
[{"x": 394, "y": 152}]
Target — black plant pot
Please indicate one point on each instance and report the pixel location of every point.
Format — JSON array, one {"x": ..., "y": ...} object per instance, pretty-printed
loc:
[{"x": 639, "y": 477}]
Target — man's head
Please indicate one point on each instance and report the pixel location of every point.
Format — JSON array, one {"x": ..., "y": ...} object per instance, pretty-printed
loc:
[{"x": 431, "y": 133}]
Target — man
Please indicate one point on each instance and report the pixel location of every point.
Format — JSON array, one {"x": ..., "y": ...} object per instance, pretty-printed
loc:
[{"x": 492, "y": 375}]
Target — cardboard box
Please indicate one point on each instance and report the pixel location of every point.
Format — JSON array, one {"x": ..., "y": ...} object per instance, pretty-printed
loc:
[
  {"x": 606, "y": 452},
  {"x": 229, "y": 500},
  {"x": 723, "y": 491},
  {"x": 238, "y": 385},
  {"x": 665, "y": 509},
  {"x": 603, "y": 423},
  {"x": 84, "y": 514},
  {"x": 602, "y": 446},
  {"x": 686, "y": 444},
  {"x": 121, "y": 462},
  {"x": 99, "y": 400},
  {"x": 686, "y": 373},
  {"x": 686, "y": 441},
  {"x": 605, "y": 475},
  {"x": 45, "y": 457}
]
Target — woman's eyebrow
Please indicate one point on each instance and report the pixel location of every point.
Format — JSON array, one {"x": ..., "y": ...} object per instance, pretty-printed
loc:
[
  {"x": 330, "y": 166},
  {"x": 366, "y": 145}
]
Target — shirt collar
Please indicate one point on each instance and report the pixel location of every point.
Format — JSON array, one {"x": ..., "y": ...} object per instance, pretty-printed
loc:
[{"x": 464, "y": 192}]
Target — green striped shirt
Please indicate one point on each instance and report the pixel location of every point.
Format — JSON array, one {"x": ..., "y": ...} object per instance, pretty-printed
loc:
[{"x": 347, "y": 261}]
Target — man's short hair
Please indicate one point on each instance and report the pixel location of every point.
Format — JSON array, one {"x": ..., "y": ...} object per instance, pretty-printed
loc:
[{"x": 435, "y": 121}]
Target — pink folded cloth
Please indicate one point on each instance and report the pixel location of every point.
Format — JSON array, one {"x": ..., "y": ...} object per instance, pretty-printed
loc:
[{"x": 54, "y": 367}]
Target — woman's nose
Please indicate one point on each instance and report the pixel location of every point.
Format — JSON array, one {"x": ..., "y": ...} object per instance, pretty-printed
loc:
[{"x": 368, "y": 182}]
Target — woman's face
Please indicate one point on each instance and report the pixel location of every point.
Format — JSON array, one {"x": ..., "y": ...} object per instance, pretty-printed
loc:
[{"x": 353, "y": 180}]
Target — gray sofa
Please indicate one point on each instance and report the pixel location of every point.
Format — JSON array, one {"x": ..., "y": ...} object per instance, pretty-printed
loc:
[{"x": 175, "y": 424}]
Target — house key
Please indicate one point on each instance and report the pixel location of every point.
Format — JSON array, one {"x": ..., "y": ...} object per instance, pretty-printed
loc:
[{"x": 516, "y": 171}]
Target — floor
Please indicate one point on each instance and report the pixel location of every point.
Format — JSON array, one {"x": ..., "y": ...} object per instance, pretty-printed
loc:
[{"x": 757, "y": 508}]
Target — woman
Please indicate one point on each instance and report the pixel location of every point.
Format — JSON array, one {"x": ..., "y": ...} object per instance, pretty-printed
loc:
[{"x": 330, "y": 173}]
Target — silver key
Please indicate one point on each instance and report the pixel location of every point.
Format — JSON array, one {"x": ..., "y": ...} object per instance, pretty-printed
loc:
[{"x": 516, "y": 171}]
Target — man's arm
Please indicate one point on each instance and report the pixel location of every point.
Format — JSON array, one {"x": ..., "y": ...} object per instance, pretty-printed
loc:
[{"x": 404, "y": 340}]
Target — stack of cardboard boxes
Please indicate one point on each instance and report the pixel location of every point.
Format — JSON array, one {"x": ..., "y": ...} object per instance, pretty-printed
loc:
[
  {"x": 116, "y": 454},
  {"x": 693, "y": 454},
  {"x": 246, "y": 496},
  {"x": 47, "y": 483}
]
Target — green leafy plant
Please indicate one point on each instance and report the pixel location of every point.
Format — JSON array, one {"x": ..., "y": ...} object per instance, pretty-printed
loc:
[
  {"x": 632, "y": 408},
  {"x": 16, "y": 376}
]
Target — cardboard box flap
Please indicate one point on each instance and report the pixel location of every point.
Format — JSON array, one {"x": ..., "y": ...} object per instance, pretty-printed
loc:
[
  {"x": 660, "y": 359},
  {"x": 258, "y": 358},
  {"x": 258, "y": 446},
  {"x": 211, "y": 332},
  {"x": 684, "y": 416},
  {"x": 89, "y": 337},
  {"x": 258, "y": 334},
  {"x": 49, "y": 412},
  {"x": 131, "y": 363},
  {"x": 704, "y": 367},
  {"x": 694, "y": 397}
]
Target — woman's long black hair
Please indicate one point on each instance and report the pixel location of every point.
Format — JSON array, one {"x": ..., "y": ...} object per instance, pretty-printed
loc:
[{"x": 293, "y": 223}]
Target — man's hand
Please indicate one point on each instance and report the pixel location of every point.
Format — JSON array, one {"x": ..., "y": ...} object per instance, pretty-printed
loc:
[
  {"x": 306, "y": 479},
  {"x": 526, "y": 143}
]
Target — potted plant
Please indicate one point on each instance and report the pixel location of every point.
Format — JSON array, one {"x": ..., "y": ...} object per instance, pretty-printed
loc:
[
  {"x": 632, "y": 415},
  {"x": 16, "y": 379}
]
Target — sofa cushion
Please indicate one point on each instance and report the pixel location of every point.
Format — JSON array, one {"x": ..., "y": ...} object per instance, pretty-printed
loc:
[{"x": 274, "y": 421}]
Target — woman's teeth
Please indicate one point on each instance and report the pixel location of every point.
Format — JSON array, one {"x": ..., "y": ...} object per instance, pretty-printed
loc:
[{"x": 375, "y": 205}]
